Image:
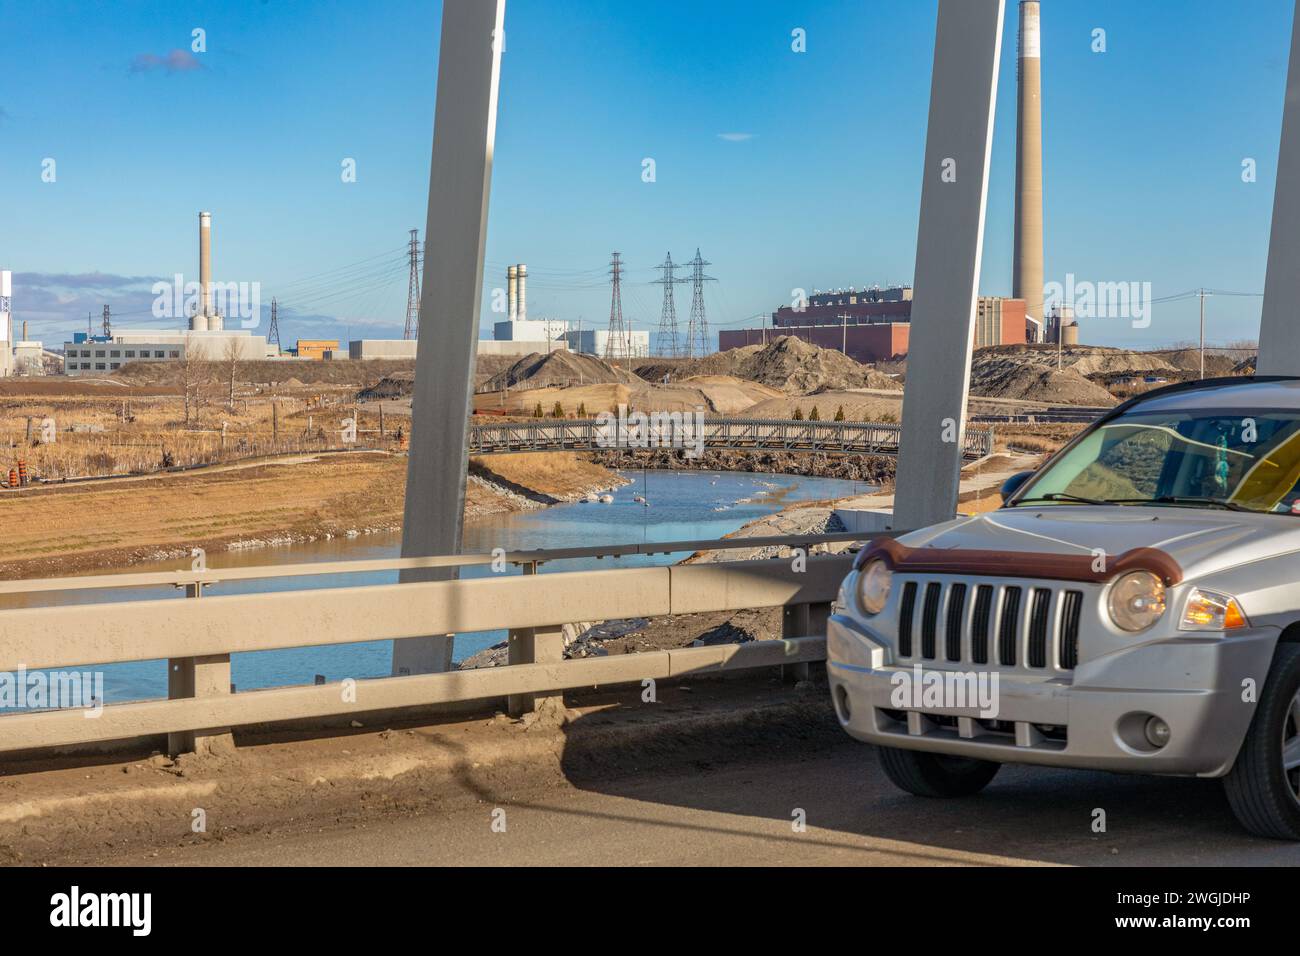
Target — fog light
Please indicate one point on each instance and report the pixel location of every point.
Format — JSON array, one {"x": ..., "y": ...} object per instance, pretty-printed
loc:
[
  {"x": 1157, "y": 732},
  {"x": 842, "y": 703}
]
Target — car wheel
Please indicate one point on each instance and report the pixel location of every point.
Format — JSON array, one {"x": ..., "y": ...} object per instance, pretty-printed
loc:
[
  {"x": 936, "y": 775},
  {"x": 1264, "y": 784}
]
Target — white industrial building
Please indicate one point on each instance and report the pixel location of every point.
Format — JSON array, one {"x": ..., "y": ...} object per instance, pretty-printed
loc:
[
  {"x": 599, "y": 342},
  {"x": 362, "y": 349},
  {"x": 517, "y": 334},
  {"x": 206, "y": 339},
  {"x": 151, "y": 345}
]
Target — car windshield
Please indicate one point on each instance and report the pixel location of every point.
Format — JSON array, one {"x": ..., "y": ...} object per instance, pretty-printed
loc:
[{"x": 1194, "y": 458}]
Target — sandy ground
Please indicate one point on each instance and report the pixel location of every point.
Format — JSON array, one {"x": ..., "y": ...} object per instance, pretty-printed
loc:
[{"x": 55, "y": 530}]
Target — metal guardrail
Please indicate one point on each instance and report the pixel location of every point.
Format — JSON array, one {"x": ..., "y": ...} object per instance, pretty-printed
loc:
[
  {"x": 210, "y": 576},
  {"x": 669, "y": 430},
  {"x": 197, "y": 637}
]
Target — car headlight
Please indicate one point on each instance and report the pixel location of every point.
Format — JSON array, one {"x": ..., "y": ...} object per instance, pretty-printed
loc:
[
  {"x": 1137, "y": 600},
  {"x": 874, "y": 582},
  {"x": 1211, "y": 611}
]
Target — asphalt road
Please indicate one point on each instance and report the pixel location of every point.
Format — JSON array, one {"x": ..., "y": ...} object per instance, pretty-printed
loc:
[{"x": 744, "y": 814}]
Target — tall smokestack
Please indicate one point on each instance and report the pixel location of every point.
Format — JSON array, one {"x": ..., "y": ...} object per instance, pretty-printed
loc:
[
  {"x": 512, "y": 285},
  {"x": 523, "y": 293},
  {"x": 205, "y": 262},
  {"x": 1027, "y": 278}
]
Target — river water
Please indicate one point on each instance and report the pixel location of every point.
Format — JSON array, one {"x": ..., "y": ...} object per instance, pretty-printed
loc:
[{"x": 683, "y": 505}]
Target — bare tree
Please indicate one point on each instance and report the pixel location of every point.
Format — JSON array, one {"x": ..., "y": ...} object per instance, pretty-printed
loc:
[
  {"x": 193, "y": 368},
  {"x": 231, "y": 358}
]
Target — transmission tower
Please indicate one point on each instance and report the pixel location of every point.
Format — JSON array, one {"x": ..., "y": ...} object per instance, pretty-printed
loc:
[
  {"x": 413, "y": 290},
  {"x": 274, "y": 331},
  {"x": 668, "y": 317},
  {"x": 617, "y": 336},
  {"x": 108, "y": 323},
  {"x": 697, "y": 333}
]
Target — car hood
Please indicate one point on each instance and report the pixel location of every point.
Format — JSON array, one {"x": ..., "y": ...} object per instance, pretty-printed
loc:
[{"x": 1201, "y": 540}]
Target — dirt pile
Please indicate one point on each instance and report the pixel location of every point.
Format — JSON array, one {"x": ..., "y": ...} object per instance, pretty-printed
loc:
[
  {"x": 998, "y": 376},
  {"x": 1091, "y": 361},
  {"x": 562, "y": 368},
  {"x": 283, "y": 372},
  {"x": 397, "y": 385},
  {"x": 1217, "y": 364},
  {"x": 787, "y": 363}
]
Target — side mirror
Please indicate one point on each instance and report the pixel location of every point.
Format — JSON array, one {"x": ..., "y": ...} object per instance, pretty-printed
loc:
[{"x": 1012, "y": 484}]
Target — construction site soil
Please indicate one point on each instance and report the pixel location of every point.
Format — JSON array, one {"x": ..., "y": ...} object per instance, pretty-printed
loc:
[{"x": 785, "y": 363}]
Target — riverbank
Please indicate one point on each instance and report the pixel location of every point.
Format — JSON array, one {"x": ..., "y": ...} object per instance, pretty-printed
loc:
[
  {"x": 53, "y": 530},
  {"x": 876, "y": 470}
]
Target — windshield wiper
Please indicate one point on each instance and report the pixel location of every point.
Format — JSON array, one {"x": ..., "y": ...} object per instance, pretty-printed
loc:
[
  {"x": 1193, "y": 500},
  {"x": 1066, "y": 496},
  {"x": 1189, "y": 500}
]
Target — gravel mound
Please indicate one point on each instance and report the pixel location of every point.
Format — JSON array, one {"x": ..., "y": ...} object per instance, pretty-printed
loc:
[
  {"x": 786, "y": 363},
  {"x": 560, "y": 368},
  {"x": 996, "y": 376},
  {"x": 397, "y": 385}
]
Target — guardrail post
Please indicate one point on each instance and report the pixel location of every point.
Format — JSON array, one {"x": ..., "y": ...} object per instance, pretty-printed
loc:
[
  {"x": 198, "y": 677},
  {"x": 796, "y": 621},
  {"x": 534, "y": 645}
]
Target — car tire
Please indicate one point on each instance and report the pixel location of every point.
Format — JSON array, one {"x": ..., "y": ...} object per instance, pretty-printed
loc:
[
  {"x": 1261, "y": 791},
  {"x": 936, "y": 775}
]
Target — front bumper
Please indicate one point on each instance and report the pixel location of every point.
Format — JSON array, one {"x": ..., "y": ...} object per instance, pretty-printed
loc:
[{"x": 1093, "y": 718}]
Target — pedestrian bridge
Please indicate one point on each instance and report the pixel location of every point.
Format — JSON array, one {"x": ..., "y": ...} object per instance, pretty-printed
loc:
[{"x": 681, "y": 431}]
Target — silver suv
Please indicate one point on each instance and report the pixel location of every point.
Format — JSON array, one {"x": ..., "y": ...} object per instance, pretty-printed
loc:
[{"x": 1134, "y": 605}]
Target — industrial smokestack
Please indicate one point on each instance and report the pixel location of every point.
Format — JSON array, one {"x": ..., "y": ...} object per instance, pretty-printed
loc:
[
  {"x": 1027, "y": 278},
  {"x": 512, "y": 286},
  {"x": 522, "y": 307},
  {"x": 205, "y": 263}
]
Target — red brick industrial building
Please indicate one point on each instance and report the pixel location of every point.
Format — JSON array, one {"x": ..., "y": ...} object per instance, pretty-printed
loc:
[{"x": 873, "y": 325}]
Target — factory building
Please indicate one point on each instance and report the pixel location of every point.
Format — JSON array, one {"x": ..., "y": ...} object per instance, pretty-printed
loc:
[
  {"x": 206, "y": 338},
  {"x": 315, "y": 349},
  {"x": 517, "y": 334},
  {"x": 872, "y": 325},
  {"x": 631, "y": 344},
  {"x": 363, "y": 349},
  {"x": 91, "y": 356}
]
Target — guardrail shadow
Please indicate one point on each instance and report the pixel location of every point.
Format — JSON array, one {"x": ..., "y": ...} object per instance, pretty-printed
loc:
[{"x": 753, "y": 775}]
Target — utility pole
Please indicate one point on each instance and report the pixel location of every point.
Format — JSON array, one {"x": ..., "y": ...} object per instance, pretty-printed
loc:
[
  {"x": 844, "y": 333},
  {"x": 668, "y": 317},
  {"x": 274, "y": 331},
  {"x": 1202, "y": 295},
  {"x": 1060, "y": 335},
  {"x": 698, "y": 329},
  {"x": 413, "y": 290},
  {"x": 616, "y": 330}
]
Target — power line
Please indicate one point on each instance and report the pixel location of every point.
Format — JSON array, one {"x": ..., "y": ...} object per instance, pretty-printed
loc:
[
  {"x": 412, "y": 330},
  {"x": 668, "y": 315},
  {"x": 697, "y": 332},
  {"x": 616, "y": 330},
  {"x": 274, "y": 331}
]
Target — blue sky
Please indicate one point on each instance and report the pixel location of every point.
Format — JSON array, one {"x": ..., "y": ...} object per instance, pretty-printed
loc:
[{"x": 819, "y": 188}]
